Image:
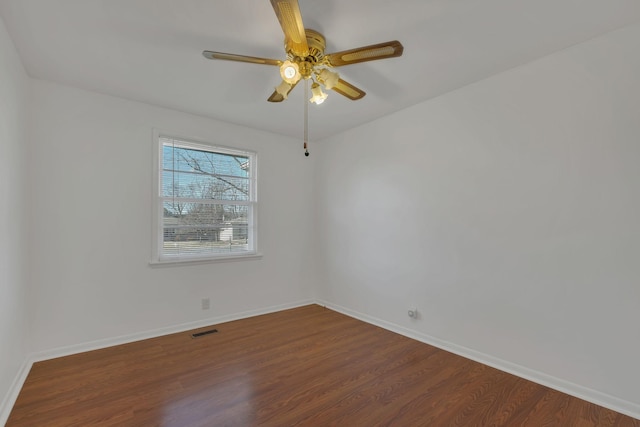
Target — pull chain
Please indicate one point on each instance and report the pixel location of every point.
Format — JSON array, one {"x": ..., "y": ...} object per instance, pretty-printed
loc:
[{"x": 306, "y": 116}]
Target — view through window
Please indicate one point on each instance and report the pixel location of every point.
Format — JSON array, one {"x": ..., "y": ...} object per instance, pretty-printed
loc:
[{"x": 206, "y": 202}]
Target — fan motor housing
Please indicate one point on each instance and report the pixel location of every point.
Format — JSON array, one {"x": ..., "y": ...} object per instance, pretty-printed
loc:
[
  {"x": 316, "y": 41},
  {"x": 317, "y": 45}
]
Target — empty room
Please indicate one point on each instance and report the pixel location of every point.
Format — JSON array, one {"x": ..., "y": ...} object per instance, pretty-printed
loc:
[{"x": 319, "y": 213}]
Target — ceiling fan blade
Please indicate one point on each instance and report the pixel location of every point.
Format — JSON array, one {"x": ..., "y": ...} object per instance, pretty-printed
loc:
[
  {"x": 277, "y": 97},
  {"x": 295, "y": 39},
  {"x": 348, "y": 90},
  {"x": 390, "y": 49},
  {"x": 241, "y": 58}
]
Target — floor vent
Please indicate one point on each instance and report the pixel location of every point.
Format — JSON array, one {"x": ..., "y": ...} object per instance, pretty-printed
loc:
[{"x": 203, "y": 333}]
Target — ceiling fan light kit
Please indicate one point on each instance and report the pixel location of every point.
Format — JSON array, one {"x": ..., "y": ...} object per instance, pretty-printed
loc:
[
  {"x": 290, "y": 72},
  {"x": 283, "y": 89},
  {"x": 328, "y": 78},
  {"x": 318, "y": 95},
  {"x": 305, "y": 59}
]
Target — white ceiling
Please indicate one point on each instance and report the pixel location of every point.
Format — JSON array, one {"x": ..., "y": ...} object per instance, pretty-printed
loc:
[{"x": 151, "y": 50}]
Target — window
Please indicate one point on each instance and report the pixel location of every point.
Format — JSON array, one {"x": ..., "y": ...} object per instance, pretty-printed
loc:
[{"x": 205, "y": 201}]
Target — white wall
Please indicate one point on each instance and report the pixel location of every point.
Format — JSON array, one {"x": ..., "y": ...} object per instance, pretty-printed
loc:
[
  {"x": 507, "y": 212},
  {"x": 14, "y": 327},
  {"x": 91, "y": 168}
]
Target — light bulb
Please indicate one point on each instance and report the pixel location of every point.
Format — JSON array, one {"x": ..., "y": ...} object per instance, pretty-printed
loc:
[{"x": 290, "y": 72}]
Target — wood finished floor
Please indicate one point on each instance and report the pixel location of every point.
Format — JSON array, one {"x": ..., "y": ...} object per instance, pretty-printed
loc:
[{"x": 307, "y": 366}]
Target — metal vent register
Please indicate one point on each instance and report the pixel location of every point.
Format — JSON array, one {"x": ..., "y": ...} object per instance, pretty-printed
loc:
[{"x": 203, "y": 333}]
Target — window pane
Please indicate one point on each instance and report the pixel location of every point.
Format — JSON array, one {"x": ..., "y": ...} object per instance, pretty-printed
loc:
[
  {"x": 196, "y": 228},
  {"x": 187, "y": 159},
  {"x": 204, "y": 175},
  {"x": 176, "y": 248},
  {"x": 200, "y": 188}
]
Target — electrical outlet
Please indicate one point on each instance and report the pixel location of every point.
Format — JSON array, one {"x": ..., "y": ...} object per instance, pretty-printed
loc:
[
  {"x": 206, "y": 303},
  {"x": 413, "y": 313}
]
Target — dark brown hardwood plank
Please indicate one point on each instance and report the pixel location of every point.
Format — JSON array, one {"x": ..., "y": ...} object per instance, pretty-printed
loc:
[{"x": 307, "y": 366}]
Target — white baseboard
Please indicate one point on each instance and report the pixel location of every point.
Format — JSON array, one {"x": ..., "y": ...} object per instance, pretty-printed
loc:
[
  {"x": 12, "y": 395},
  {"x": 602, "y": 399}
]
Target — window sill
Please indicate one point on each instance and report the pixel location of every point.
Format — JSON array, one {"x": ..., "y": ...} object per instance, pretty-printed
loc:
[{"x": 172, "y": 262}]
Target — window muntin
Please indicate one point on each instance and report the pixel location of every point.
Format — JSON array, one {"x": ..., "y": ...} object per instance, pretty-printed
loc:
[{"x": 206, "y": 201}]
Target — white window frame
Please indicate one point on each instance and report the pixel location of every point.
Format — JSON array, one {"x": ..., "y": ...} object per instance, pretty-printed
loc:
[{"x": 158, "y": 258}]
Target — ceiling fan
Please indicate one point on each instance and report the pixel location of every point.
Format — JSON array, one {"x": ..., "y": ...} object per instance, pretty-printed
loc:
[{"x": 306, "y": 58}]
